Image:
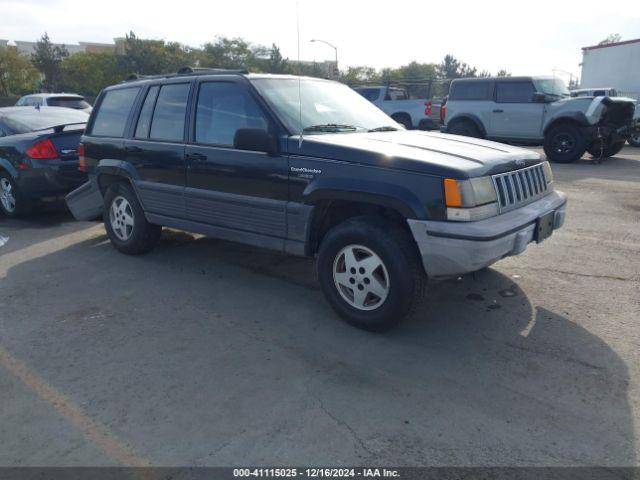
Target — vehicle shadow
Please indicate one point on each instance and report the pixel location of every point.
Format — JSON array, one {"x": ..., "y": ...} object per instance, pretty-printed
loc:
[
  {"x": 44, "y": 223},
  {"x": 229, "y": 354}
]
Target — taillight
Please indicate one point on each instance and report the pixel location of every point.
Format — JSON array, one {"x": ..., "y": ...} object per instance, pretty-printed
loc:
[
  {"x": 82, "y": 163},
  {"x": 443, "y": 112},
  {"x": 427, "y": 109},
  {"x": 43, "y": 149}
]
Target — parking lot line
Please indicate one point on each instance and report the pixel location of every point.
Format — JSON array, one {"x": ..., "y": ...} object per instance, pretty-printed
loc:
[
  {"x": 95, "y": 431},
  {"x": 46, "y": 247}
]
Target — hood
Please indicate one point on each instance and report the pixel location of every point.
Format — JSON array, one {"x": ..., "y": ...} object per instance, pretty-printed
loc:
[{"x": 423, "y": 152}]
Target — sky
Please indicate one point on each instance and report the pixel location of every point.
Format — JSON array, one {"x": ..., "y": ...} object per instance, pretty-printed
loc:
[{"x": 523, "y": 38}]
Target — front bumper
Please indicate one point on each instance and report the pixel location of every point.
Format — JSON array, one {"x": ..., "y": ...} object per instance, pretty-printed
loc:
[{"x": 455, "y": 248}]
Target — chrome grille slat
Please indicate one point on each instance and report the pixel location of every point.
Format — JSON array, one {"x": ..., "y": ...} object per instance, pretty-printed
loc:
[{"x": 520, "y": 187}]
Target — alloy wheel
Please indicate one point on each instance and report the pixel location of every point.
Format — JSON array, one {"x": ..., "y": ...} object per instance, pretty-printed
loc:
[
  {"x": 563, "y": 143},
  {"x": 361, "y": 277},
  {"x": 7, "y": 197},
  {"x": 121, "y": 218}
]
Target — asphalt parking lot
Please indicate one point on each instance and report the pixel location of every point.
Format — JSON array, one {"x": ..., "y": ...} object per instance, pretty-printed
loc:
[{"x": 205, "y": 352}]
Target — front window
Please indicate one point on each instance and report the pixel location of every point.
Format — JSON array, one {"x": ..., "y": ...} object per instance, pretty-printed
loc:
[
  {"x": 551, "y": 86},
  {"x": 326, "y": 106}
]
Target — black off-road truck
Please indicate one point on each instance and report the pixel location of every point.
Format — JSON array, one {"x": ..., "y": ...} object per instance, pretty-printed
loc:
[{"x": 309, "y": 167}]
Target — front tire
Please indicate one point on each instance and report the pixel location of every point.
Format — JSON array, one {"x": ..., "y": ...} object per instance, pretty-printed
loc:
[
  {"x": 564, "y": 143},
  {"x": 370, "y": 272},
  {"x": 125, "y": 222},
  {"x": 634, "y": 140},
  {"x": 604, "y": 149},
  {"x": 13, "y": 202}
]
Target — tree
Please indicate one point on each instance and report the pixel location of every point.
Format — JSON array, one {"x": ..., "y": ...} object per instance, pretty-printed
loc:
[
  {"x": 229, "y": 53},
  {"x": 149, "y": 57},
  {"x": 47, "y": 58},
  {"x": 17, "y": 75},
  {"x": 277, "y": 64},
  {"x": 612, "y": 38},
  {"x": 87, "y": 73},
  {"x": 358, "y": 75},
  {"x": 503, "y": 73}
]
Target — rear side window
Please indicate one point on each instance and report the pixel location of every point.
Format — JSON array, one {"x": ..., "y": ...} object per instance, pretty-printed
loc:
[
  {"x": 111, "y": 118},
  {"x": 515, "y": 92},
  {"x": 476, "y": 90},
  {"x": 144, "y": 121},
  {"x": 168, "y": 116},
  {"x": 222, "y": 109},
  {"x": 370, "y": 94}
]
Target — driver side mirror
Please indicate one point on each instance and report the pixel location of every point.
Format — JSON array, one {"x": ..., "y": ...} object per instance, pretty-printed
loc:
[
  {"x": 539, "y": 97},
  {"x": 255, "y": 140}
]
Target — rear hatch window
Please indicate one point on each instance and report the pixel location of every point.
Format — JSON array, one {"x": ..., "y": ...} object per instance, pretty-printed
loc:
[{"x": 77, "y": 103}]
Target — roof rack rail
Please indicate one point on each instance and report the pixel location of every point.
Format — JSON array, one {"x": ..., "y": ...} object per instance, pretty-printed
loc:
[{"x": 187, "y": 71}]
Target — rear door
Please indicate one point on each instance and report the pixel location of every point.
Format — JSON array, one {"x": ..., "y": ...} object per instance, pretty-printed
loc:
[
  {"x": 515, "y": 115},
  {"x": 235, "y": 190},
  {"x": 156, "y": 148}
]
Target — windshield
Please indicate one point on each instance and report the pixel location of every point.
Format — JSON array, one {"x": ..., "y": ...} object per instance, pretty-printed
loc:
[
  {"x": 551, "y": 86},
  {"x": 29, "y": 120},
  {"x": 326, "y": 106}
]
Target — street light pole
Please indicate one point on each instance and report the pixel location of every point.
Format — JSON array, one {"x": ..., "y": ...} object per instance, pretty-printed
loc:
[{"x": 330, "y": 45}]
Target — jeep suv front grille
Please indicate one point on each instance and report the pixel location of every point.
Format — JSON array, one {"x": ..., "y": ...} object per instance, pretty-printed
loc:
[{"x": 520, "y": 187}]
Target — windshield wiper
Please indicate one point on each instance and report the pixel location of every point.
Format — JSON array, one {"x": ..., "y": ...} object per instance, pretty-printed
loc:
[
  {"x": 385, "y": 128},
  {"x": 330, "y": 127}
]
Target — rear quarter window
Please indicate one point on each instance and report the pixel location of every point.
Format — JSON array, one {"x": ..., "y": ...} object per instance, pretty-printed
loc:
[
  {"x": 476, "y": 90},
  {"x": 113, "y": 112}
]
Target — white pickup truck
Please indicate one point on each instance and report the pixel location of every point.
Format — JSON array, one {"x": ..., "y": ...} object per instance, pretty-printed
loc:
[{"x": 395, "y": 102}]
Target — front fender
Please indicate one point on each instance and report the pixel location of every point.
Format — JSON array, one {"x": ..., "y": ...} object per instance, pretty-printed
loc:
[{"x": 373, "y": 192}]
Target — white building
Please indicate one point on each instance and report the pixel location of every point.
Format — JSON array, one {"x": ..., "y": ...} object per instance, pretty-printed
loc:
[
  {"x": 28, "y": 47},
  {"x": 615, "y": 65}
]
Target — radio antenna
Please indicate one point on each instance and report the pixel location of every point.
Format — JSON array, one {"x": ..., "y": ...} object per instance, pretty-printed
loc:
[{"x": 299, "y": 80}]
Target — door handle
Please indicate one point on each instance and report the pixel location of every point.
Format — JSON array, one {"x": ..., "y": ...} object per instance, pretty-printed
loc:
[
  {"x": 497, "y": 110},
  {"x": 196, "y": 157},
  {"x": 132, "y": 149}
]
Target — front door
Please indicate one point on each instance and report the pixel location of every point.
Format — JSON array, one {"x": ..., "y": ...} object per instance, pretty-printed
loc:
[
  {"x": 156, "y": 149},
  {"x": 514, "y": 114},
  {"x": 233, "y": 190}
]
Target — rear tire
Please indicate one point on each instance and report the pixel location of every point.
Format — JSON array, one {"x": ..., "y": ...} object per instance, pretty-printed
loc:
[
  {"x": 564, "y": 143},
  {"x": 370, "y": 272},
  {"x": 404, "y": 120},
  {"x": 13, "y": 202},
  {"x": 465, "y": 128},
  {"x": 125, "y": 222},
  {"x": 634, "y": 140}
]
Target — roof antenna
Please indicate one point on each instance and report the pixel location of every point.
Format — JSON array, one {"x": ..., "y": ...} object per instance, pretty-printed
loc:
[{"x": 299, "y": 81}]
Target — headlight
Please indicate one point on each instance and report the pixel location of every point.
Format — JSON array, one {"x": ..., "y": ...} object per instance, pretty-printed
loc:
[
  {"x": 548, "y": 174},
  {"x": 470, "y": 200}
]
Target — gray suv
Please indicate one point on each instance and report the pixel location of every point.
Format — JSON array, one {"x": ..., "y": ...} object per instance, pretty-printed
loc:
[{"x": 539, "y": 110}]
